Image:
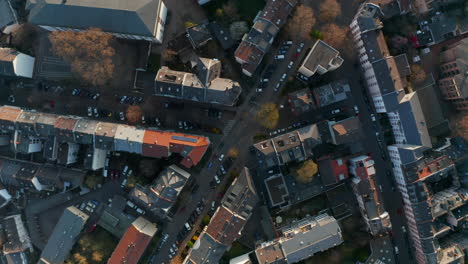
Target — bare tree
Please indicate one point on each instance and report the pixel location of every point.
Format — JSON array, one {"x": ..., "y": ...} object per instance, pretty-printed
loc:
[
  {"x": 417, "y": 73},
  {"x": 230, "y": 11},
  {"x": 268, "y": 115},
  {"x": 301, "y": 23},
  {"x": 134, "y": 114},
  {"x": 168, "y": 54},
  {"x": 329, "y": 10},
  {"x": 335, "y": 35},
  {"x": 90, "y": 53}
]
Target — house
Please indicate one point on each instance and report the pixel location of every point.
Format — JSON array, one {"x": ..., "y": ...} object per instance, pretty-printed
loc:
[
  {"x": 159, "y": 197},
  {"x": 266, "y": 26},
  {"x": 292, "y": 146},
  {"x": 301, "y": 101},
  {"x": 134, "y": 242},
  {"x": 440, "y": 28},
  {"x": 5, "y": 197},
  {"x": 60, "y": 137},
  {"x": 205, "y": 85},
  {"x": 199, "y": 35},
  {"x": 17, "y": 243},
  {"x": 454, "y": 73},
  {"x": 367, "y": 195},
  {"x": 301, "y": 240},
  {"x": 8, "y": 17},
  {"x": 331, "y": 93},
  {"x": 346, "y": 131},
  {"x": 332, "y": 170},
  {"x": 139, "y": 19},
  {"x": 15, "y": 64},
  {"x": 222, "y": 35},
  {"x": 114, "y": 219},
  {"x": 278, "y": 193},
  {"x": 227, "y": 223},
  {"x": 321, "y": 58},
  {"x": 64, "y": 236}
]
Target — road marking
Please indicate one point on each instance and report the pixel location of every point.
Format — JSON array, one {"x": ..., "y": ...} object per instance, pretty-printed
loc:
[{"x": 228, "y": 127}]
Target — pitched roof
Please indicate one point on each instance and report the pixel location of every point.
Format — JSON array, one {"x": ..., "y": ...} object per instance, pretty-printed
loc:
[
  {"x": 134, "y": 242},
  {"x": 7, "y": 14},
  {"x": 137, "y": 17},
  {"x": 205, "y": 251},
  {"x": 7, "y": 56},
  {"x": 270, "y": 253},
  {"x": 345, "y": 131}
]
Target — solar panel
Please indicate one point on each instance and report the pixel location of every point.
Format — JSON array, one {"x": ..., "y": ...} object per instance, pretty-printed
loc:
[{"x": 193, "y": 140}]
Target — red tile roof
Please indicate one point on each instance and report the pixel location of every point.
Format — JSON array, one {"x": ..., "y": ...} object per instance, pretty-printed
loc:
[
  {"x": 225, "y": 227},
  {"x": 131, "y": 247},
  {"x": 160, "y": 143},
  {"x": 8, "y": 115}
]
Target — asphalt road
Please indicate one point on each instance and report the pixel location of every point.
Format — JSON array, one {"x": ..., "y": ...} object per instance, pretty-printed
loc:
[{"x": 384, "y": 177}]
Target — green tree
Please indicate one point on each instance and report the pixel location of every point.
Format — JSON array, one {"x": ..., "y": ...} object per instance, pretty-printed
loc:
[
  {"x": 316, "y": 34},
  {"x": 306, "y": 171},
  {"x": 206, "y": 220},
  {"x": 268, "y": 115}
]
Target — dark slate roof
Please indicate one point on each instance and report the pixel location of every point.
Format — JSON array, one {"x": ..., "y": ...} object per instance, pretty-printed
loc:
[
  {"x": 206, "y": 251},
  {"x": 199, "y": 35},
  {"x": 222, "y": 34},
  {"x": 7, "y": 14},
  {"x": 137, "y": 17},
  {"x": 7, "y": 56}
]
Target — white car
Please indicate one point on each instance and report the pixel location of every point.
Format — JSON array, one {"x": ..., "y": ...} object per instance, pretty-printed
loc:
[
  {"x": 372, "y": 117},
  {"x": 356, "y": 109},
  {"x": 277, "y": 86},
  {"x": 290, "y": 64},
  {"x": 301, "y": 45},
  {"x": 216, "y": 178},
  {"x": 122, "y": 116},
  {"x": 90, "y": 111},
  {"x": 283, "y": 77},
  {"x": 96, "y": 113},
  {"x": 221, "y": 157},
  {"x": 259, "y": 90},
  {"x": 336, "y": 111}
]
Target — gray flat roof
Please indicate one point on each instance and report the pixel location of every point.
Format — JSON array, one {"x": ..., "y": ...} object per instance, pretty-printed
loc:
[
  {"x": 64, "y": 235},
  {"x": 136, "y": 17},
  {"x": 320, "y": 54}
]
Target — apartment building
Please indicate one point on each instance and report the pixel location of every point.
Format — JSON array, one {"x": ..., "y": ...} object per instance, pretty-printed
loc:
[
  {"x": 434, "y": 200},
  {"x": 266, "y": 26},
  {"x": 61, "y": 138},
  {"x": 368, "y": 195}
]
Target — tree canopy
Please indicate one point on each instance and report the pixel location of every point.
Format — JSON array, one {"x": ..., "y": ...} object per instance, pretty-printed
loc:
[
  {"x": 301, "y": 23},
  {"x": 134, "y": 114},
  {"x": 306, "y": 171},
  {"x": 329, "y": 10},
  {"x": 268, "y": 115},
  {"x": 90, "y": 53}
]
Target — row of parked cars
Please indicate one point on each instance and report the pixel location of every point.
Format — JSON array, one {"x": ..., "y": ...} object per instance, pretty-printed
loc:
[
  {"x": 127, "y": 99},
  {"x": 86, "y": 93}
]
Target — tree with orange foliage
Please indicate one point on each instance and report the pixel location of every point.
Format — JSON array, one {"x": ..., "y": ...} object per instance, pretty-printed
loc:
[
  {"x": 301, "y": 23},
  {"x": 134, "y": 114},
  {"x": 90, "y": 53},
  {"x": 335, "y": 35},
  {"x": 417, "y": 73},
  {"x": 329, "y": 10}
]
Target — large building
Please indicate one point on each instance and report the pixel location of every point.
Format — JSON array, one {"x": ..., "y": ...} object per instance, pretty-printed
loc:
[
  {"x": 138, "y": 19},
  {"x": 134, "y": 242},
  {"x": 292, "y": 146},
  {"x": 159, "y": 197},
  {"x": 56, "y": 135},
  {"x": 64, "y": 236},
  {"x": 368, "y": 196},
  {"x": 434, "y": 201},
  {"x": 15, "y": 64},
  {"x": 454, "y": 73},
  {"x": 321, "y": 59},
  {"x": 17, "y": 242},
  {"x": 204, "y": 86},
  {"x": 301, "y": 240},
  {"x": 257, "y": 42},
  {"x": 227, "y": 223}
]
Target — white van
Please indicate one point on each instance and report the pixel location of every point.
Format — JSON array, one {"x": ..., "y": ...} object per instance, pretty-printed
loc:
[
  {"x": 187, "y": 226},
  {"x": 279, "y": 57}
]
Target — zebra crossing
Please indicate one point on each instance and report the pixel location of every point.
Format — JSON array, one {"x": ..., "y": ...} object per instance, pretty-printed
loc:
[{"x": 227, "y": 128}]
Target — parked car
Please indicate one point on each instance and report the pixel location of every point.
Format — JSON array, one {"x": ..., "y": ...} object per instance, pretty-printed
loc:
[
  {"x": 372, "y": 117},
  {"x": 290, "y": 64},
  {"x": 356, "y": 109},
  {"x": 221, "y": 157},
  {"x": 279, "y": 57},
  {"x": 122, "y": 116},
  {"x": 336, "y": 111},
  {"x": 90, "y": 111},
  {"x": 258, "y": 90},
  {"x": 216, "y": 178}
]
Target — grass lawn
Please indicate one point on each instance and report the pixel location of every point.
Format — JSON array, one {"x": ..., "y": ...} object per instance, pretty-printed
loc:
[{"x": 236, "y": 250}]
